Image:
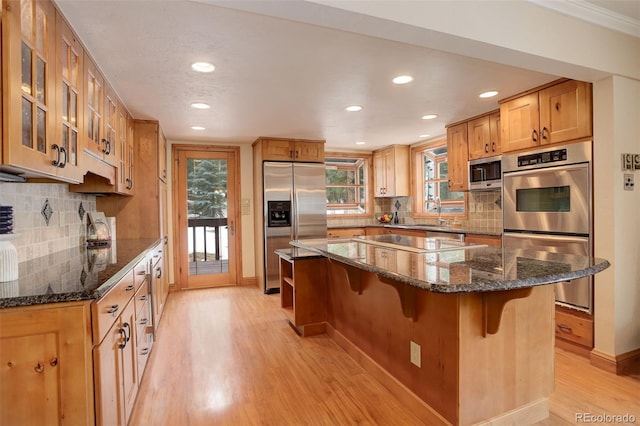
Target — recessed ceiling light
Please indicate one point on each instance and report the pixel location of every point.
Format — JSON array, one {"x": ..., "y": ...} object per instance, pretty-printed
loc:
[
  {"x": 197, "y": 127},
  {"x": 488, "y": 94},
  {"x": 353, "y": 108},
  {"x": 402, "y": 79},
  {"x": 429, "y": 117},
  {"x": 202, "y": 67},
  {"x": 200, "y": 105},
  {"x": 424, "y": 136},
  {"x": 360, "y": 143}
]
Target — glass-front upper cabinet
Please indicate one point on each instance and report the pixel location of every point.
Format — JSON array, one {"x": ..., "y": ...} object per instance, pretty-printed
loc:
[
  {"x": 94, "y": 113},
  {"x": 28, "y": 44},
  {"x": 70, "y": 96}
]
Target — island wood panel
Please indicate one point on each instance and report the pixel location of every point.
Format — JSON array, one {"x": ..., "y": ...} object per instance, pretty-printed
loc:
[
  {"x": 373, "y": 321},
  {"x": 464, "y": 376},
  {"x": 512, "y": 368}
]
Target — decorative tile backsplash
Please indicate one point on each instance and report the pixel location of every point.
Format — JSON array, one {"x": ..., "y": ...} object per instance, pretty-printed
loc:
[
  {"x": 484, "y": 212},
  {"x": 32, "y": 203}
]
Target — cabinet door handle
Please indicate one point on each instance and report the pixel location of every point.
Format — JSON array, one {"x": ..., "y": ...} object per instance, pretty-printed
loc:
[
  {"x": 63, "y": 163},
  {"x": 113, "y": 309},
  {"x": 144, "y": 321},
  {"x": 129, "y": 287},
  {"x": 159, "y": 273},
  {"x": 129, "y": 183},
  {"x": 123, "y": 333},
  {"x": 565, "y": 328},
  {"x": 493, "y": 146},
  {"x": 56, "y": 162},
  {"x": 143, "y": 297},
  {"x": 144, "y": 351},
  {"x": 486, "y": 148},
  {"x": 534, "y": 135},
  {"x": 141, "y": 272},
  {"x": 291, "y": 154},
  {"x": 543, "y": 133}
]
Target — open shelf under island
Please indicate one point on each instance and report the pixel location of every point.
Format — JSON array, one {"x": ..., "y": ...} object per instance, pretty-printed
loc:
[{"x": 462, "y": 333}]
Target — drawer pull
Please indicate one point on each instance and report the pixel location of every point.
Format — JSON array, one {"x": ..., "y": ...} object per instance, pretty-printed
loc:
[
  {"x": 143, "y": 297},
  {"x": 129, "y": 287},
  {"x": 141, "y": 272},
  {"x": 113, "y": 309},
  {"x": 565, "y": 328},
  {"x": 53, "y": 362},
  {"x": 144, "y": 351},
  {"x": 39, "y": 368},
  {"x": 144, "y": 321}
]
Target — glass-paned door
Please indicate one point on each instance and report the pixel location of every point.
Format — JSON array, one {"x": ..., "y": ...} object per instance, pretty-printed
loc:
[{"x": 207, "y": 191}]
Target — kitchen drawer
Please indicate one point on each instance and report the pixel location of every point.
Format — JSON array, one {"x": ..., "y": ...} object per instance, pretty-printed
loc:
[
  {"x": 143, "y": 321},
  {"x": 345, "y": 232},
  {"x": 574, "y": 328},
  {"x": 106, "y": 310},
  {"x": 156, "y": 253},
  {"x": 140, "y": 272},
  {"x": 143, "y": 349},
  {"x": 142, "y": 297}
]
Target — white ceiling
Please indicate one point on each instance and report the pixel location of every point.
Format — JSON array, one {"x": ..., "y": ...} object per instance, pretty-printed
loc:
[{"x": 281, "y": 78}]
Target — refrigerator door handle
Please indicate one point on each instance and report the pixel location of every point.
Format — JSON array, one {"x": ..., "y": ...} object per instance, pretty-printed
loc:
[{"x": 294, "y": 212}]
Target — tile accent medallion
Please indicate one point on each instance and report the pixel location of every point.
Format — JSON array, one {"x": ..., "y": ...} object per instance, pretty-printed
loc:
[
  {"x": 81, "y": 211},
  {"x": 47, "y": 211}
]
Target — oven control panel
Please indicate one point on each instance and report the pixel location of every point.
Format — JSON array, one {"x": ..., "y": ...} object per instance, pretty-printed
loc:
[{"x": 542, "y": 157}]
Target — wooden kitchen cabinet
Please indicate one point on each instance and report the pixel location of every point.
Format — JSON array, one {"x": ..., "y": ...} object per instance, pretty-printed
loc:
[
  {"x": 303, "y": 293},
  {"x": 484, "y": 136},
  {"x": 574, "y": 330},
  {"x": 311, "y": 151},
  {"x": 144, "y": 214},
  {"x": 391, "y": 171},
  {"x": 47, "y": 350},
  {"x": 115, "y": 370},
  {"x": 345, "y": 232},
  {"x": 159, "y": 281},
  {"x": 100, "y": 115},
  {"x": 458, "y": 157},
  {"x": 490, "y": 240},
  {"x": 552, "y": 114},
  {"x": 30, "y": 120}
]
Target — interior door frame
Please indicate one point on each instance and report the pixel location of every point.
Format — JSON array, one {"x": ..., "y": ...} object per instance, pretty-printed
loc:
[{"x": 180, "y": 276}]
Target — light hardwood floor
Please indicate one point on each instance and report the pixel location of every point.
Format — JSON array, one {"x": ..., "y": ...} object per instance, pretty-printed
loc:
[{"x": 226, "y": 356}]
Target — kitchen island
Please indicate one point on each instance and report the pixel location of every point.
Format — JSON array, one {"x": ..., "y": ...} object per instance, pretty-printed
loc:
[{"x": 463, "y": 334}]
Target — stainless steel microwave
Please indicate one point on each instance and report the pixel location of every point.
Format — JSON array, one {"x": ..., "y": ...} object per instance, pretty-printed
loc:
[{"x": 485, "y": 173}]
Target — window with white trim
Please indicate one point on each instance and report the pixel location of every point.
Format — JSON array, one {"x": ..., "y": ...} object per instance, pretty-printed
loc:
[{"x": 347, "y": 185}]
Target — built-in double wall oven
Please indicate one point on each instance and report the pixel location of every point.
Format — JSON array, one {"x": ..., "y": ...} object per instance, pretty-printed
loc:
[{"x": 547, "y": 206}]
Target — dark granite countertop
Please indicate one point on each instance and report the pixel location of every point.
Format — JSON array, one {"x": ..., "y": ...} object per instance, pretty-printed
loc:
[
  {"x": 297, "y": 253},
  {"x": 443, "y": 268},
  {"x": 71, "y": 275},
  {"x": 424, "y": 227}
]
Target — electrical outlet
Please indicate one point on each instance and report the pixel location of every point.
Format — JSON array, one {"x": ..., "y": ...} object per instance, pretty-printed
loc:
[
  {"x": 628, "y": 182},
  {"x": 415, "y": 354}
]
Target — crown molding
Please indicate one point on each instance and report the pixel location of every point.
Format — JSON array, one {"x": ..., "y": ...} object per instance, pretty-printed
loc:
[{"x": 594, "y": 14}]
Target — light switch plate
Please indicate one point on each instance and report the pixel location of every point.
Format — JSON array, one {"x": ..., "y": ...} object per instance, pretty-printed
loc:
[
  {"x": 628, "y": 182},
  {"x": 415, "y": 354}
]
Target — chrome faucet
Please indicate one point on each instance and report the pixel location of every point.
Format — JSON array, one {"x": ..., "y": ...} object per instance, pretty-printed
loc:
[{"x": 441, "y": 221}]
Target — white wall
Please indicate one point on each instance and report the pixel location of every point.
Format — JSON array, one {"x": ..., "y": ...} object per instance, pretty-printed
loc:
[
  {"x": 617, "y": 215},
  {"x": 246, "y": 192}
]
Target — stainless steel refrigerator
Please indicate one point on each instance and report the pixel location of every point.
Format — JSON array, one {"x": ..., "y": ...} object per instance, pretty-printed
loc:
[{"x": 295, "y": 207}]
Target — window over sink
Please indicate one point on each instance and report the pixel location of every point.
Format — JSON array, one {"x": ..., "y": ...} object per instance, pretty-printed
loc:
[
  {"x": 432, "y": 197},
  {"x": 348, "y": 188}
]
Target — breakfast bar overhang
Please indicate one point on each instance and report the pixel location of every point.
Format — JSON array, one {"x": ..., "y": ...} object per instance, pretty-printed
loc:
[{"x": 463, "y": 334}]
